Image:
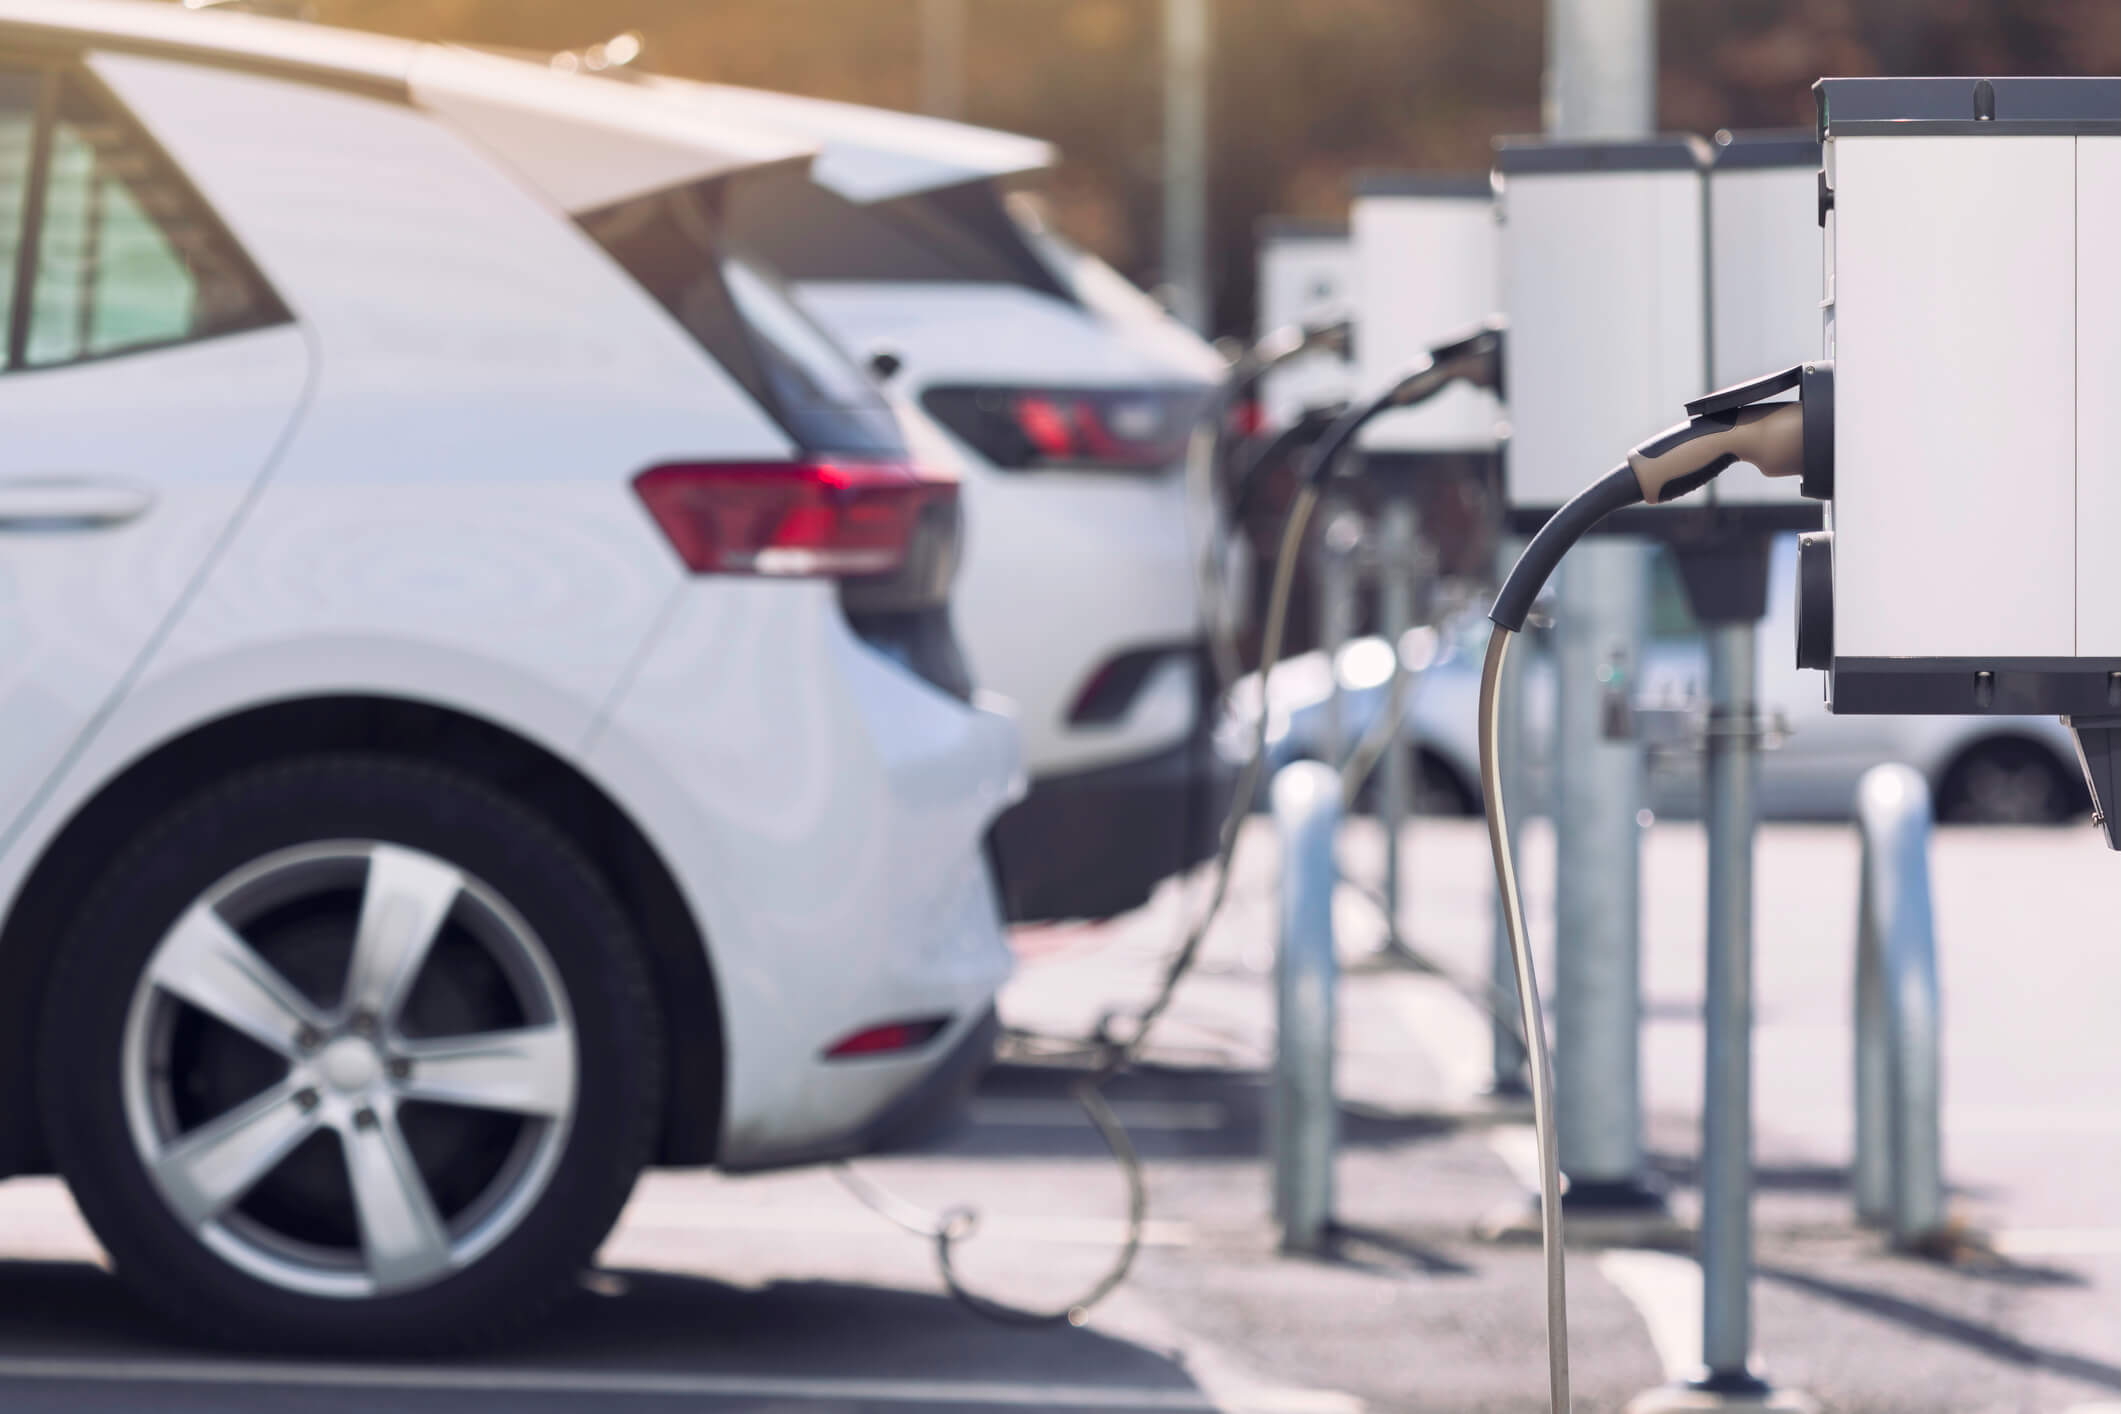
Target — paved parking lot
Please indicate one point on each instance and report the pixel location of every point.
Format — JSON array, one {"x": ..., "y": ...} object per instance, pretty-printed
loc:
[{"x": 781, "y": 1292}]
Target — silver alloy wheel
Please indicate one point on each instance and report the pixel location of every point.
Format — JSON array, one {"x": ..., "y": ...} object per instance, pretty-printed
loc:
[{"x": 349, "y": 1068}]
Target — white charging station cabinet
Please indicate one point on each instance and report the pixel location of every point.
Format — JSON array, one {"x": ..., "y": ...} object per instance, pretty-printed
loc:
[
  {"x": 1974, "y": 323},
  {"x": 1427, "y": 262},
  {"x": 1603, "y": 285},
  {"x": 1306, "y": 276},
  {"x": 1766, "y": 282}
]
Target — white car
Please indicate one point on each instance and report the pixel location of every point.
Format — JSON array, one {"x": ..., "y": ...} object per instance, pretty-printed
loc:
[
  {"x": 1995, "y": 770},
  {"x": 478, "y": 707},
  {"x": 1071, "y": 396}
]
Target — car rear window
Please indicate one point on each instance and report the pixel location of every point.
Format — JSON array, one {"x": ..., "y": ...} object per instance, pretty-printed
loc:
[
  {"x": 672, "y": 243},
  {"x": 962, "y": 233}
]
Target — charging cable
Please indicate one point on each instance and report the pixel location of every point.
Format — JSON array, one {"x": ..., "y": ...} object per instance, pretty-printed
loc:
[
  {"x": 1682, "y": 459},
  {"x": 1208, "y": 450},
  {"x": 1475, "y": 357}
]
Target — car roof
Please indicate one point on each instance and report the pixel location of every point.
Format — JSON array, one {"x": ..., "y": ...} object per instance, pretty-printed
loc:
[
  {"x": 869, "y": 154},
  {"x": 585, "y": 143}
]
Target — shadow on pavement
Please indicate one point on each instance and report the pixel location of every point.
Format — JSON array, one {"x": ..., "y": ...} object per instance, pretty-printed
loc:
[
  {"x": 1914, "y": 1316},
  {"x": 814, "y": 1345},
  {"x": 1029, "y": 1111}
]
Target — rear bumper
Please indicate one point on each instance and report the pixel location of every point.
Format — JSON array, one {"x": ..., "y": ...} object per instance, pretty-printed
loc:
[
  {"x": 1090, "y": 844},
  {"x": 932, "y": 1107}
]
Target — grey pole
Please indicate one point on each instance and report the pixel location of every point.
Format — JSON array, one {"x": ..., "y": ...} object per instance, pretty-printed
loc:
[
  {"x": 1303, "y": 1121},
  {"x": 1727, "y": 1108},
  {"x": 1186, "y": 160},
  {"x": 1339, "y": 546},
  {"x": 1600, "y": 82},
  {"x": 943, "y": 58},
  {"x": 1398, "y": 557},
  {"x": 1598, "y": 788}
]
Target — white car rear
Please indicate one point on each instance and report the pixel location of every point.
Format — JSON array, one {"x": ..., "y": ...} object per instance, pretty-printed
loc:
[
  {"x": 1071, "y": 395},
  {"x": 479, "y": 703}
]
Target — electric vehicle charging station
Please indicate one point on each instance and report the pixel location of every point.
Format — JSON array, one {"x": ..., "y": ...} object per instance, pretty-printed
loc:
[
  {"x": 1636, "y": 274},
  {"x": 1601, "y": 253},
  {"x": 1970, "y": 316},
  {"x": 1306, "y": 278},
  {"x": 1427, "y": 262}
]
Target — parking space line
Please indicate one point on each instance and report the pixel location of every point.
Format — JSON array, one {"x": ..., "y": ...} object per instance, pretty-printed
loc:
[
  {"x": 665, "y": 1216},
  {"x": 1134, "y": 1114},
  {"x": 1665, "y": 1290},
  {"x": 926, "y": 1393},
  {"x": 2059, "y": 1242}
]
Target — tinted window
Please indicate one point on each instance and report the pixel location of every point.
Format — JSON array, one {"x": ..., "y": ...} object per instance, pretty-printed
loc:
[
  {"x": 18, "y": 126},
  {"x": 961, "y": 233},
  {"x": 670, "y": 243},
  {"x": 124, "y": 255}
]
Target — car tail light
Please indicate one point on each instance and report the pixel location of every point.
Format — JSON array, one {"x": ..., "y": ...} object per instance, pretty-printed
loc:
[
  {"x": 1125, "y": 429},
  {"x": 888, "y": 1039},
  {"x": 799, "y": 519}
]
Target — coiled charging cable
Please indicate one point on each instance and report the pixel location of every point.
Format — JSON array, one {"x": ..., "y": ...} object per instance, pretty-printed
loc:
[
  {"x": 1666, "y": 467},
  {"x": 1476, "y": 358}
]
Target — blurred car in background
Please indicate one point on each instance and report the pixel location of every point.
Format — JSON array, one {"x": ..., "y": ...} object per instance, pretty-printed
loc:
[
  {"x": 1987, "y": 770},
  {"x": 479, "y": 704},
  {"x": 1071, "y": 395}
]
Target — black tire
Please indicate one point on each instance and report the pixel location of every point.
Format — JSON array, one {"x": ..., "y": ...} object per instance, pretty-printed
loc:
[
  {"x": 2009, "y": 781},
  {"x": 491, "y": 838}
]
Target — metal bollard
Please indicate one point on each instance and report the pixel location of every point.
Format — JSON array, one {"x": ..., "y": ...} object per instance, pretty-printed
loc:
[
  {"x": 1899, "y": 1170},
  {"x": 1303, "y": 1119}
]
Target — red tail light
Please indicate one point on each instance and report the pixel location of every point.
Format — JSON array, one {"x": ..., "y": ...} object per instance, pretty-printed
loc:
[
  {"x": 885, "y": 1040},
  {"x": 797, "y": 519},
  {"x": 1122, "y": 429}
]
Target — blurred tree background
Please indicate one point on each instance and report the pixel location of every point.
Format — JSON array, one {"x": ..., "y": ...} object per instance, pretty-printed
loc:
[{"x": 1306, "y": 93}]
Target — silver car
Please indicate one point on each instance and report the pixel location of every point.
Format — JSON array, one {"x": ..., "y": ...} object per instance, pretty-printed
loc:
[{"x": 1996, "y": 770}]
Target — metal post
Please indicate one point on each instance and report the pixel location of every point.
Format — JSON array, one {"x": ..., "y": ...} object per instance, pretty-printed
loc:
[
  {"x": 1506, "y": 1049},
  {"x": 1899, "y": 1169},
  {"x": 1598, "y": 789},
  {"x": 1727, "y": 1108},
  {"x": 1398, "y": 553},
  {"x": 943, "y": 57},
  {"x": 1186, "y": 160},
  {"x": 1339, "y": 545},
  {"x": 1303, "y": 1120},
  {"x": 1601, "y": 81}
]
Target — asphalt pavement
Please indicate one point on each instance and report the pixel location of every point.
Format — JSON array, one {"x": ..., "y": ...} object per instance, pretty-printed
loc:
[{"x": 783, "y": 1293}]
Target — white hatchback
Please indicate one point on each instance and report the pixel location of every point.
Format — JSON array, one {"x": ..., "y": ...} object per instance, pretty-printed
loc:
[
  {"x": 479, "y": 708},
  {"x": 1071, "y": 396}
]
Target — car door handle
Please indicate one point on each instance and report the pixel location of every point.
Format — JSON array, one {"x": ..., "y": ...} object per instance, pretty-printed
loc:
[{"x": 70, "y": 503}]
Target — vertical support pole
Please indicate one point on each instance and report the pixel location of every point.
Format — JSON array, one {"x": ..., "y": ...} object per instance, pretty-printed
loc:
[
  {"x": 1597, "y": 972},
  {"x": 1727, "y": 1110},
  {"x": 943, "y": 25},
  {"x": 1303, "y": 1120},
  {"x": 1339, "y": 544},
  {"x": 1186, "y": 42},
  {"x": 1398, "y": 556},
  {"x": 1601, "y": 81}
]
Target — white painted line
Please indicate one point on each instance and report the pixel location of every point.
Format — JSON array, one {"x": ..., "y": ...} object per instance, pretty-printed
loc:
[
  {"x": 1666, "y": 1291},
  {"x": 932, "y": 1393},
  {"x": 2059, "y": 1242},
  {"x": 663, "y": 1215},
  {"x": 1134, "y": 1114},
  {"x": 2076, "y": 1120},
  {"x": 1517, "y": 1145},
  {"x": 1452, "y": 1034}
]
